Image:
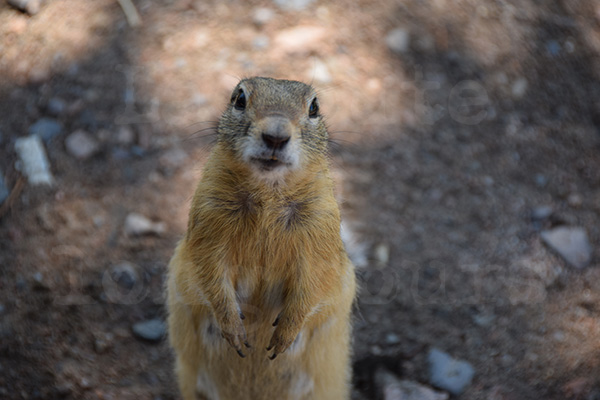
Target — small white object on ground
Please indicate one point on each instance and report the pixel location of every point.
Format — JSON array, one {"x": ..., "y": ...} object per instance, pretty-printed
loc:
[
  {"x": 448, "y": 373},
  {"x": 571, "y": 244},
  {"x": 34, "y": 162}
]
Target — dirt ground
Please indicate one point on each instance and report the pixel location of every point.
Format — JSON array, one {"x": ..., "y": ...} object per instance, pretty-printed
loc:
[{"x": 446, "y": 152}]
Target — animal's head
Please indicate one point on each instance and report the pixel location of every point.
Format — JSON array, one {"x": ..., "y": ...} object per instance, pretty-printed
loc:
[{"x": 273, "y": 126}]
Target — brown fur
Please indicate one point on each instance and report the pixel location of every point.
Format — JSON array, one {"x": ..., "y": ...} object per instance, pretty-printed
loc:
[{"x": 259, "y": 253}]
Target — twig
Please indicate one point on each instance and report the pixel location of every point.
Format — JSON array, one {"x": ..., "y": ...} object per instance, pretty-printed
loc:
[
  {"x": 14, "y": 195},
  {"x": 133, "y": 18}
]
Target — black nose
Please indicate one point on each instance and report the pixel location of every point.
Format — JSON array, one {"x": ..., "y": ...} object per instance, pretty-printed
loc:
[{"x": 275, "y": 142}]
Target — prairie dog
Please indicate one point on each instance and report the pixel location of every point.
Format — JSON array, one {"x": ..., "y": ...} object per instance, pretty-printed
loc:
[{"x": 260, "y": 289}]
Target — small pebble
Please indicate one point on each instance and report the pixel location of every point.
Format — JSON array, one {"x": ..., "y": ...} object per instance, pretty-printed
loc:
[
  {"x": 398, "y": 40},
  {"x": 293, "y": 5},
  {"x": 382, "y": 253},
  {"x": 152, "y": 330},
  {"x": 553, "y": 48},
  {"x": 262, "y": 16},
  {"x": 38, "y": 281},
  {"x": 56, "y": 106},
  {"x": 261, "y": 42},
  {"x": 575, "y": 200},
  {"x": 4, "y": 192},
  {"x": 541, "y": 212},
  {"x": 300, "y": 39},
  {"x": 571, "y": 244},
  {"x": 519, "y": 88},
  {"x": 33, "y": 160},
  {"x": 103, "y": 342},
  {"x": 392, "y": 388},
  {"x": 125, "y": 135},
  {"x": 392, "y": 338},
  {"x": 137, "y": 225},
  {"x": 81, "y": 145},
  {"x": 30, "y": 7},
  {"x": 46, "y": 129},
  {"x": 448, "y": 373},
  {"x": 125, "y": 274},
  {"x": 319, "y": 72}
]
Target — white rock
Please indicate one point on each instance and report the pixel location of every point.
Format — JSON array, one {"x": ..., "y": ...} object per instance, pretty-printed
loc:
[
  {"x": 541, "y": 212},
  {"x": 34, "y": 162},
  {"x": 393, "y": 388},
  {"x": 382, "y": 253},
  {"x": 262, "y": 15},
  {"x": 81, "y": 145},
  {"x": 357, "y": 250},
  {"x": 519, "y": 88},
  {"x": 571, "y": 244},
  {"x": 125, "y": 135},
  {"x": 152, "y": 330},
  {"x": 447, "y": 373},
  {"x": 301, "y": 39},
  {"x": 295, "y": 5},
  {"x": 137, "y": 225},
  {"x": 320, "y": 73},
  {"x": 398, "y": 40}
]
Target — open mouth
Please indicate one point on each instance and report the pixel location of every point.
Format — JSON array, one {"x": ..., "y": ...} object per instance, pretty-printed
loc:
[{"x": 268, "y": 163}]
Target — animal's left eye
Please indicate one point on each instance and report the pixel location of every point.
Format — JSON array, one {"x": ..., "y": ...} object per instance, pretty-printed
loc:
[{"x": 313, "y": 110}]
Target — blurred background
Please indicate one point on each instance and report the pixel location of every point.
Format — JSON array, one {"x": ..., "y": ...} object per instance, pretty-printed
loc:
[{"x": 465, "y": 148}]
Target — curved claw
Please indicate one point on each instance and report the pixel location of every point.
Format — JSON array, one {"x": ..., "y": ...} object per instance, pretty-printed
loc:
[
  {"x": 272, "y": 357},
  {"x": 241, "y": 354}
]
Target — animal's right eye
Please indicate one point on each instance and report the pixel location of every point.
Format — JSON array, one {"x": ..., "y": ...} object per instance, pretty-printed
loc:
[{"x": 239, "y": 100}]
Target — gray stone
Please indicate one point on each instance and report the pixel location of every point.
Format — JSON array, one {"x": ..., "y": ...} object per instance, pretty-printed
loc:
[
  {"x": 541, "y": 212},
  {"x": 138, "y": 225},
  {"x": 261, "y": 42},
  {"x": 103, "y": 342},
  {"x": 320, "y": 72},
  {"x": 56, "y": 106},
  {"x": 153, "y": 330},
  {"x": 295, "y": 5},
  {"x": 448, "y": 373},
  {"x": 81, "y": 145},
  {"x": 392, "y": 338},
  {"x": 382, "y": 253},
  {"x": 571, "y": 244},
  {"x": 519, "y": 88},
  {"x": 392, "y": 388},
  {"x": 30, "y": 7},
  {"x": 125, "y": 274},
  {"x": 300, "y": 39},
  {"x": 398, "y": 40},
  {"x": 125, "y": 135},
  {"x": 46, "y": 129},
  {"x": 262, "y": 15},
  {"x": 33, "y": 160},
  {"x": 4, "y": 192}
]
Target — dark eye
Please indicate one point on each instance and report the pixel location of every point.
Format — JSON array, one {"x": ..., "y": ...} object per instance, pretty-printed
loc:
[
  {"x": 239, "y": 101},
  {"x": 313, "y": 110}
]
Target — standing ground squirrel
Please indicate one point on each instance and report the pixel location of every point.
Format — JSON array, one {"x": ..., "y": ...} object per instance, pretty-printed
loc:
[{"x": 262, "y": 272}]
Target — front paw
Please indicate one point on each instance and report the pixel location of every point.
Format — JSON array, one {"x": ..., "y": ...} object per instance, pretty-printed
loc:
[
  {"x": 286, "y": 332},
  {"x": 232, "y": 330}
]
